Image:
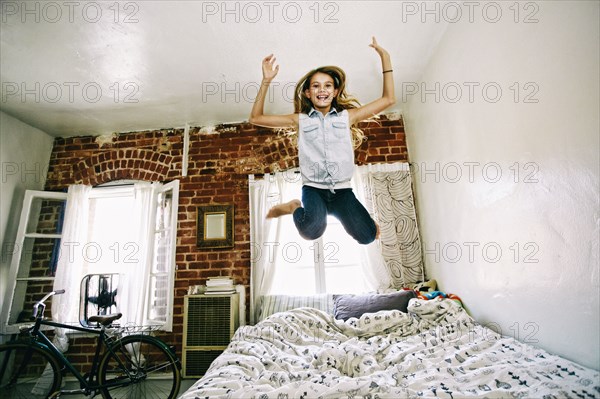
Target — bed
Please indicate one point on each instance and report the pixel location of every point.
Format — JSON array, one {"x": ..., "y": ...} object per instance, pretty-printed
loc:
[{"x": 433, "y": 349}]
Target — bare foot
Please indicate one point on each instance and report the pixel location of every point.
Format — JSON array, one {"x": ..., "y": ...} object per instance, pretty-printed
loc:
[
  {"x": 378, "y": 233},
  {"x": 284, "y": 209}
]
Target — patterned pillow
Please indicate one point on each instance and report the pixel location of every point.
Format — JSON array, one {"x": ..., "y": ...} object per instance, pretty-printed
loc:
[{"x": 347, "y": 306}]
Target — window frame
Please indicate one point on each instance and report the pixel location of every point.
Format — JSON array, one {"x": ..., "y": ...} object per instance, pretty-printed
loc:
[
  {"x": 22, "y": 234},
  {"x": 170, "y": 273}
]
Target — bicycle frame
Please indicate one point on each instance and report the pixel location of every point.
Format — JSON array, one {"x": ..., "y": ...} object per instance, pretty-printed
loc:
[{"x": 40, "y": 338}]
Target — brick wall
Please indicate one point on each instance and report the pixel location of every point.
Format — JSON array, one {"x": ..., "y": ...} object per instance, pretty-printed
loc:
[{"x": 220, "y": 161}]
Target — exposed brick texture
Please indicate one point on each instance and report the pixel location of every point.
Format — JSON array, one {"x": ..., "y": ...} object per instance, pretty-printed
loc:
[{"x": 218, "y": 167}]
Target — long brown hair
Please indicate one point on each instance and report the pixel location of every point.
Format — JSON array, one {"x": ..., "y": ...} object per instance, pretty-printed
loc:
[{"x": 342, "y": 101}]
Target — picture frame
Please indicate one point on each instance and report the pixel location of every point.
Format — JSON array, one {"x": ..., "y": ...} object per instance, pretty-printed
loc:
[{"x": 215, "y": 226}]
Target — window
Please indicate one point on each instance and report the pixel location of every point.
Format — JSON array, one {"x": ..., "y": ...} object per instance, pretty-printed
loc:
[
  {"x": 119, "y": 235},
  {"x": 331, "y": 264}
]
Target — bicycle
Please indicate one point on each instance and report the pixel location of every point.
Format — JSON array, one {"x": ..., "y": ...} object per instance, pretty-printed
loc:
[{"x": 132, "y": 366}]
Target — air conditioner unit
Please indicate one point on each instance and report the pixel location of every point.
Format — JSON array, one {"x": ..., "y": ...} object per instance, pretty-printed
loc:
[{"x": 209, "y": 322}]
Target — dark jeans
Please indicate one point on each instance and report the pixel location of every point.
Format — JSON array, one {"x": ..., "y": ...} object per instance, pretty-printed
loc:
[{"x": 311, "y": 219}]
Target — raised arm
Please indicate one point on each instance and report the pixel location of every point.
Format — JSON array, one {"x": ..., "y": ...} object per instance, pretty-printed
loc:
[
  {"x": 388, "y": 98},
  {"x": 257, "y": 116}
]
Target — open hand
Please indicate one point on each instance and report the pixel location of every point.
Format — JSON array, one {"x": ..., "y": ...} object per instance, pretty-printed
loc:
[
  {"x": 380, "y": 50},
  {"x": 269, "y": 72}
]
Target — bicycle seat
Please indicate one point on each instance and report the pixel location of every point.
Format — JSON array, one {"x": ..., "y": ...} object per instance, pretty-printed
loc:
[{"x": 105, "y": 320}]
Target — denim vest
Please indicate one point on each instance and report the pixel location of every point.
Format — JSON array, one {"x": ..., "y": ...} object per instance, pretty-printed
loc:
[{"x": 325, "y": 149}]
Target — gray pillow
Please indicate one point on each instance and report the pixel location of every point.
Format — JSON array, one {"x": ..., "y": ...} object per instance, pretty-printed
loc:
[{"x": 349, "y": 305}]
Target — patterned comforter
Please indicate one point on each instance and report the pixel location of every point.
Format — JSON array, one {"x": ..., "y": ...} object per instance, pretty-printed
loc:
[{"x": 434, "y": 350}]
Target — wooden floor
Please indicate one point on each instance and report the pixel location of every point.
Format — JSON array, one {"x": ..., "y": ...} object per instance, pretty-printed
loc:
[{"x": 185, "y": 384}]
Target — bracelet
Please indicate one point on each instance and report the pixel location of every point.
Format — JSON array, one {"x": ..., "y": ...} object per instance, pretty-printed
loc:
[{"x": 389, "y": 70}]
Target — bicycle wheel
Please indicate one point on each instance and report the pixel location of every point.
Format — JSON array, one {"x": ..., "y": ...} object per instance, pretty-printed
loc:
[
  {"x": 139, "y": 366},
  {"x": 28, "y": 371}
]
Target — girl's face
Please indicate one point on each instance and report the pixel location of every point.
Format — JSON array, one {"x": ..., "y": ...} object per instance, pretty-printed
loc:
[{"x": 321, "y": 92}]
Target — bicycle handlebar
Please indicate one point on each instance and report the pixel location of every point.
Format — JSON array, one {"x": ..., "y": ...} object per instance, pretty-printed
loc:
[{"x": 41, "y": 303}]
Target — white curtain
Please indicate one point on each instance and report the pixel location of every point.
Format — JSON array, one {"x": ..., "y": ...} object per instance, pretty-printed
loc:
[
  {"x": 65, "y": 307},
  {"x": 387, "y": 194},
  {"x": 133, "y": 286},
  {"x": 264, "y": 193},
  {"x": 374, "y": 269}
]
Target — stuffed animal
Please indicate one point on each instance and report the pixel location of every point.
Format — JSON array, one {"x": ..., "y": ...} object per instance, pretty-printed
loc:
[{"x": 426, "y": 286}]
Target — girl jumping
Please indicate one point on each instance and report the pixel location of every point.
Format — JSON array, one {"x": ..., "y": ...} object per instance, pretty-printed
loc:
[{"x": 325, "y": 118}]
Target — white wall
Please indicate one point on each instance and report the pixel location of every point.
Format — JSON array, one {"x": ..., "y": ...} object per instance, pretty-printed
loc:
[
  {"x": 542, "y": 212},
  {"x": 24, "y": 158}
]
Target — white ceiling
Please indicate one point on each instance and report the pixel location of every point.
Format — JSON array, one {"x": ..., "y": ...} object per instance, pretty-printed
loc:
[{"x": 73, "y": 69}]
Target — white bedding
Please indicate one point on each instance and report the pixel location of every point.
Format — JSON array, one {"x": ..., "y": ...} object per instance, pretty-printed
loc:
[{"x": 434, "y": 350}]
